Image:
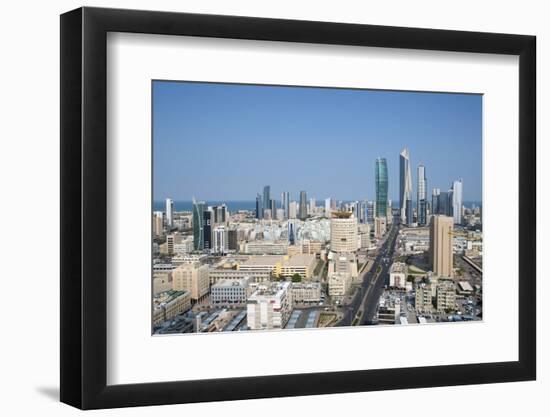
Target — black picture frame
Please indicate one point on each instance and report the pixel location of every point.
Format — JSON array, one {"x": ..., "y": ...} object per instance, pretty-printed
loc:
[{"x": 84, "y": 207}]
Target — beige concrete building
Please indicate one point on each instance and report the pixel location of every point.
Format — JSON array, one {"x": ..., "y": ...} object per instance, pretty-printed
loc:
[
  {"x": 158, "y": 223},
  {"x": 266, "y": 248},
  {"x": 306, "y": 292},
  {"x": 312, "y": 247},
  {"x": 192, "y": 277},
  {"x": 270, "y": 306},
  {"x": 398, "y": 275},
  {"x": 230, "y": 291},
  {"x": 339, "y": 284},
  {"x": 294, "y": 250},
  {"x": 161, "y": 282},
  {"x": 446, "y": 295},
  {"x": 343, "y": 232},
  {"x": 380, "y": 227},
  {"x": 266, "y": 264},
  {"x": 343, "y": 263},
  {"x": 280, "y": 265},
  {"x": 364, "y": 236},
  {"x": 423, "y": 298},
  {"x": 302, "y": 264},
  {"x": 170, "y": 305},
  {"x": 218, "y": 274},
  {"x": 441, "y": 245}
]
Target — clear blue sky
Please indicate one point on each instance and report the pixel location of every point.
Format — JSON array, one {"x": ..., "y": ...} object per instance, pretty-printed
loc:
[{"x": 226, "y": 141}]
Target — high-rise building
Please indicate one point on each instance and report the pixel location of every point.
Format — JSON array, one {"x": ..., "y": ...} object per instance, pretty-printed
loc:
[
  {"x": 285, "y": 203},
  {"x": 192, "y": 277},
  {"x": 232, "y": 239},
  {"x": 343, "y": 232},
  {"x": 158, "y": 227},
  {"x": 220, "y": 214},
  {"x": 312, "y": 205},
  {"x": 302, "y": 209},
  {"x": 421, "y": 204},
  {"x": 371, "y": 211},
  {"x": 362, "y": 212},
  {"x": 328, "y": 206},
  {"x": 169, "y": 213},
  {"x": 293, "y": 210},
  {"x": 198, "y": 232},
  {"x": 273, "y": 208},
  {"x": 207, "y": 216},
  {"x": 259, "y": 207},
  {"x": 441, "y": 245},
  {"x": 220, "y": 239},
  {"x": 435, "y": 201},
  {"x": 380, "y": 226},
  {"x": 270, "y": 306},
  {"x": 457, "y": 201},
  {"x": 445, "y": 296},
  {"x": 267, "y": 197},
  {"x": 381, "y": 185},
  {"x": 291, "y": 231},
  {"x": 443, "y": 204},
  {"x": 405, "y": 187}
]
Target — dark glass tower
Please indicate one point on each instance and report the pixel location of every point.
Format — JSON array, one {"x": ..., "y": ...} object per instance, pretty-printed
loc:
[
  {"x": 421, "y": 203},
  {"x": 381, "y": 183},
  {"x": 405, "y": 187},
  {"x": 267, "y": 198},
  {"x": 259, "y": 207},
  {"x": 302, "y": 210},
  {"x": 198, "y": 235},
  {"x": 207, "y": 229}
]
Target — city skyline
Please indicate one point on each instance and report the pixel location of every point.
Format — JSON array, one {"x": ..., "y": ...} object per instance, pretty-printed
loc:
[
  {"x": 329, "y": 173},
  {"x": 292, "y": 208}
]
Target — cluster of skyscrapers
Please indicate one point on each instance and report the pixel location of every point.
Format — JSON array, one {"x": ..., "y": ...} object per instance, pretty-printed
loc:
[{"x": 447, "y": 203}]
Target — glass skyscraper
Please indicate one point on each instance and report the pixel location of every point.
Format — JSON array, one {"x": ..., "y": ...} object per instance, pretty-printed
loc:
[
  {"x": 267, "y": 198},
  {"x": 302, "y": 209},
  {"x": 405, "y": 187},
  {"x": 457, "y": 201},
  {"x": 421, "y": 196},
  {"x": 381, "y": 185},
  {"x": 198, "y": 228}
]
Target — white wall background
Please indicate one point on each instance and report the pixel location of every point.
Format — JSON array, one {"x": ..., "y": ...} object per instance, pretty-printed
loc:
[{"x": 29, "y": 177}]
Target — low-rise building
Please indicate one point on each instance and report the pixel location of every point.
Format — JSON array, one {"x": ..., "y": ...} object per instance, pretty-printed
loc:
[
  {"x": 312, "y": 247},
  {"x": 343, "y": 263},
  {"x": 446, "y": 296},
  {"x": 280, "y": 265},
  {"x": 270, "y": 306},
  {"x": 266, "y": 247},
  {"x": 161, "y": 282},
  {"x": 192, "y": 277},
  {"x": 266, "y": 264},
  {"x": 388, "y": 312},
  {"x": 229, "y": 291},
  {"x": 169, "y": 305},
  {"x": 339, "y": 284},
  {"x": 302, "y": 264},
  {"x": 398, "y": 275},
  {"x": 380, "y": 225},
  {"x": 423, "y": 298},
  {"x": 306, "y": 292},
  {"x": 222, "y": 274}
]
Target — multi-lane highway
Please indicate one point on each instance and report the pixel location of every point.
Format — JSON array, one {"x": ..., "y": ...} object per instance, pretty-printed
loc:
[{"x": 363, "y": 305}]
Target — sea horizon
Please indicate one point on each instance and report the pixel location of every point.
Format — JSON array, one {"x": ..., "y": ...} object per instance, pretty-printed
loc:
[{"x": 237, "y": 205}]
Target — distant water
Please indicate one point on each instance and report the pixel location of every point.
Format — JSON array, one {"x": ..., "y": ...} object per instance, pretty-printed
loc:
[
  {"x": 188, "y": 205},
  {"x": 233, "y": 205}
]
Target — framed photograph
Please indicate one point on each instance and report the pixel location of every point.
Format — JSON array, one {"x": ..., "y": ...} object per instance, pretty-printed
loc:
[{"x": 257, "y": 208}]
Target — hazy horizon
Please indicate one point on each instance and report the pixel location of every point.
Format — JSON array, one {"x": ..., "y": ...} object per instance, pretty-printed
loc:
[{"x": 226, "y": 141}]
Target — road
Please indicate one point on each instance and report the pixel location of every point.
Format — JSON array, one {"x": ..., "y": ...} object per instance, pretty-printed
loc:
[{"x": 372, "y": 285}]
